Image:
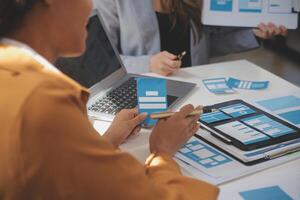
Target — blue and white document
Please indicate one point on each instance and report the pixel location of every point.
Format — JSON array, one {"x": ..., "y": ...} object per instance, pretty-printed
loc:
[
  {"x": 223, "y": 86},
  {"x": 273, "y": 193},
  {"x": 250, "y": 13},
  {"x": 286, "y": 107},
  {"x": 218, "y": 86},
  {"x": 203, "y": 156},
  {"x": 250, "y": 85},
  {"x": 152, "y": 97},
  {"x": 204, "y": 161}
]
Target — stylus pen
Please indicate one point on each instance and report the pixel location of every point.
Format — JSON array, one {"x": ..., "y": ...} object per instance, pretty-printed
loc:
[
  {"x": 180, "y": 56},
  {"x": 162, "y": 115}
]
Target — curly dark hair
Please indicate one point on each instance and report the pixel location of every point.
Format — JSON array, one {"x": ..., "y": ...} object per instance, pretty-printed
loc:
[{"x": 11, "y": 14}]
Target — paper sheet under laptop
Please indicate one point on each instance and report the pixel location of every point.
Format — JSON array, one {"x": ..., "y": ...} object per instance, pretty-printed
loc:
[{"x": 250, "y": 13}]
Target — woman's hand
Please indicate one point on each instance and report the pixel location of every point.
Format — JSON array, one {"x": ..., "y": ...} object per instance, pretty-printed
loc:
[
  {"x": 164, "y": 63},
  {"x": 169, "y": 135},
  {"x": 125, "y": 123},
  {"x": 267, "y": 31}
]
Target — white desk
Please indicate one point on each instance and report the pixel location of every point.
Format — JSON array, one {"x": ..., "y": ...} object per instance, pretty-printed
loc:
[{"x": 287, "y": 175}]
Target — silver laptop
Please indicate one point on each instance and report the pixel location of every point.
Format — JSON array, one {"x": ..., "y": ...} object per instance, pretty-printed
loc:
[{"x": 101, "y": 70}]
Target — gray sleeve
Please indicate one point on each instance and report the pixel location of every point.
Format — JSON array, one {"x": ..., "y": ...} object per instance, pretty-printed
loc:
[
  {"x": 109, "y": 13},
  {"x": 108, "y": 10},
  {"x": 136, "y": 64},
  {"x": 224, "y": 41}
]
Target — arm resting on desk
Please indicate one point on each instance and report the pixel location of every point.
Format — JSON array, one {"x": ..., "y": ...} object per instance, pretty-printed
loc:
[{"x": 64, "y": 157}]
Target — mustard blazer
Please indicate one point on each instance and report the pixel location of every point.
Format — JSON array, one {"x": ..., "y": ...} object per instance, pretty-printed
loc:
[{"x": 49, "y": 149}]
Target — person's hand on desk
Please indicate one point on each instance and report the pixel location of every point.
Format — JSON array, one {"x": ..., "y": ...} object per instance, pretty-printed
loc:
[
  {"x": 124, "y": 124},
  {"x": 267, "y": 31},
  {"x": 171, "y": 133},
  {"x": 164, "y": 63}
]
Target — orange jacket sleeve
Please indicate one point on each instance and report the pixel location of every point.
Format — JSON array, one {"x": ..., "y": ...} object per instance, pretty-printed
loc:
[{"x": 63, "y": 157}]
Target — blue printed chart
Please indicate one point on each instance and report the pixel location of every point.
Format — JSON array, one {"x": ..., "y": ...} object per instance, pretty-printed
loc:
[
  {"x": 218, "y": 86},
  {"x": 250, "y": 85},
  {"x": 152, "y": 96},
  {"x": 201, "y": 155},
  {"x": 287, "y": 107},
  {"x": 254, "y": 6},
  {"x": 237, "y": 110},
  {"x": 214, "y": 117},
  {"x": 268, "y": 126},
  {"x": 243, "y": 133},
  {"x": 221, "y": 5}
]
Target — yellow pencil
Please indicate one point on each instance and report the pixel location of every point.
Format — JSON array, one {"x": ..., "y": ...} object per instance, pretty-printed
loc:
[{"x": 169, "y": 114}]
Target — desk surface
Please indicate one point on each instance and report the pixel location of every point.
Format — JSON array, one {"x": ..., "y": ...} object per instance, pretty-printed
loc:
[{"x": 287, "y": 175}]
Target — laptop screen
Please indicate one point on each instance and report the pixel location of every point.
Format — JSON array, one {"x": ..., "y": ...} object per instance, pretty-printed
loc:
[{"x": 99, "y": 60}]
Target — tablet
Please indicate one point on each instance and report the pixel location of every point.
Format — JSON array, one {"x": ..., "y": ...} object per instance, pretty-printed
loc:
[{"x": 246, "y": 126}]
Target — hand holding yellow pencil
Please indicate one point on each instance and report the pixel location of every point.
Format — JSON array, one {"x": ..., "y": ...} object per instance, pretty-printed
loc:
[{"x": 197, "y": 111}]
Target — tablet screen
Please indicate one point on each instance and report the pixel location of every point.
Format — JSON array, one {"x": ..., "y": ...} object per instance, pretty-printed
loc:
[
  {"x": 268, "y": 126},
  {"x": 248, "y": 127},
  {"x": 214, "y": 117},
  {"x": 237, "y": 110},
  {"x": 242, "y": 132}
]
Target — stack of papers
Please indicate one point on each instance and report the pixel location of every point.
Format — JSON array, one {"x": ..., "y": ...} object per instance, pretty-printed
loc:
[
  {"x": 204, "y": 161},
  {"x": 206, "y": 157}
]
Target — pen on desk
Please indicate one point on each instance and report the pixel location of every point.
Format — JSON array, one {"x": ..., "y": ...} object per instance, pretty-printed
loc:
[
  {"x": 180, "y": 56},
  {"x": 169, "y": 114}
]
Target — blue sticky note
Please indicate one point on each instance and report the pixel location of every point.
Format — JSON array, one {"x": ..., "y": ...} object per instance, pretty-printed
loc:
[
  {"x": 218, "y": 86},
  {"x": 249, "y": 85},
  {"x": 152, "y": 97},
  {"x": 268, "y": 193}
]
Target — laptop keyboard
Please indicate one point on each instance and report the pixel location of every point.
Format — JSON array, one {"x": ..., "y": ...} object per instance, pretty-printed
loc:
[{"x": 123, "y": 97}]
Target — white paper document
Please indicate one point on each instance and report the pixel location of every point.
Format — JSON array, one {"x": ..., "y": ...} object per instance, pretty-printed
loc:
[
  {"x": 203, "y": 161},
  {"x": 250, "y": 13}
]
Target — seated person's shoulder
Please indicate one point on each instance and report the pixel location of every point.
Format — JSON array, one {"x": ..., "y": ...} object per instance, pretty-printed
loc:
[
  {"x": 35, "y": 88},
  {"x": 53, "y": 88}
]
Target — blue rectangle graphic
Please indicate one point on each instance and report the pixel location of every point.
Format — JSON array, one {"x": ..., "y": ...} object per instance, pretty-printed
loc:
[
  {"x": 280, "y": 103},
  {"x": 250, "y": 6},
  {"x": 214, "y": 117},
  {"x": 221, "y": 5},
  {"x": 218, "y": 86},
  {"x": 203, "y": 154},
  {"x": 152, "y": 96},
  {"x": 272, "y": 193},
  {"x": 250, "y": 85},
  {"x": 292, "y": 116},
  {"x": 268, "y": 126},
  {"x": 237, "y": 110}
]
